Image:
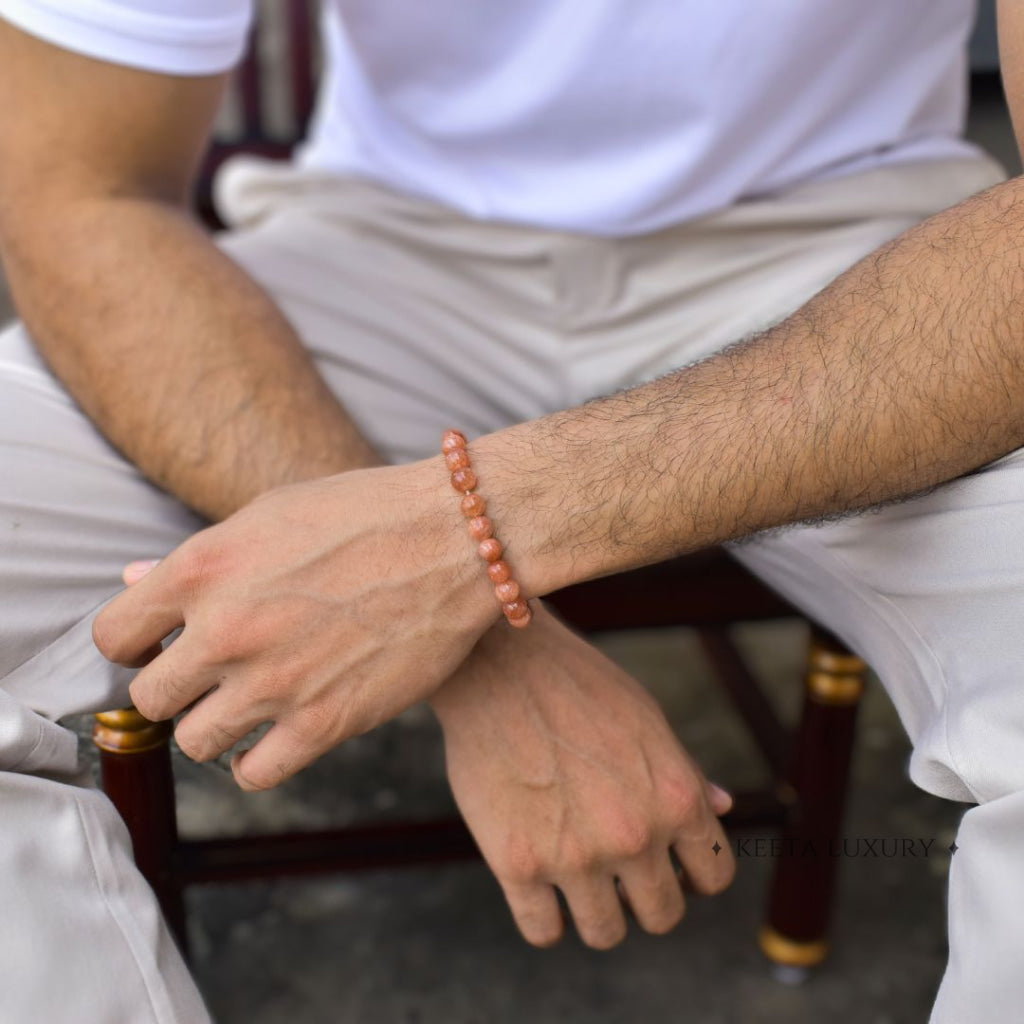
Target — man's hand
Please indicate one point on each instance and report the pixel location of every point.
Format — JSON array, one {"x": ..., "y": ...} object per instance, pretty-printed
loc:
[
  {"x": 569, "y": 776},
  {"x": 325, "y": 608}
]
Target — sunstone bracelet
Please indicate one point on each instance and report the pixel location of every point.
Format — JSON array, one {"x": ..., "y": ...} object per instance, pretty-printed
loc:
[{"x": 481, "y": 529}]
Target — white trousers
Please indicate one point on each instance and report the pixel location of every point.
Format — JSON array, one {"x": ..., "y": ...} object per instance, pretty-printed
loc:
[{"x": 419, "y": 318}]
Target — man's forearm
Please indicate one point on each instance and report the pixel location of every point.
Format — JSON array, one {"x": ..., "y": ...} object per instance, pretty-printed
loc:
[
  {"x": 905, "y": 372},
  {"x": 176, "y": 354}
]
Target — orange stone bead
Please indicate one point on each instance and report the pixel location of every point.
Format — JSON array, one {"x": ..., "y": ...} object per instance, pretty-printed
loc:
[
  {"x": 473, "y": 505},
  {"x": 516, "y": 609},
  {"x": 457, "y": 458},
  {"x": 464, "y": 479},
  {"x": 481, "y": 528},
  {"x": 507, "y": 592},
  {"x": 522, "y": 622},
  {"x": 451, "y": 440},
  {"x": 499, "y": 572},
  {"x": 490, "y": 550}
]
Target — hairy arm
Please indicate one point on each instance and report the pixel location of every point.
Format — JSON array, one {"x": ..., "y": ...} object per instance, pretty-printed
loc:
[
  {"x": 180, "y": 359},
  {"x": 906, "y": 372}
]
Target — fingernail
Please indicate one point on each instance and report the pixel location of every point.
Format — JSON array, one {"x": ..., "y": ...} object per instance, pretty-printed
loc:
[
  {"x": 134, "y": 571},
  {"x": 721, "y": 799}
]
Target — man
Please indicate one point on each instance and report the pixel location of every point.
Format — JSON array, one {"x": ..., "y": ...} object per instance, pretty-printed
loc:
[{"x": 503, "y": 211}]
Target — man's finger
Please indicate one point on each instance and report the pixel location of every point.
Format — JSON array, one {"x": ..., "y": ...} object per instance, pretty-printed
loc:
[
  {"x": 652, "y": 888},
  {"x": 708, "y": 870},
  {"x": 215, "y": 725},
  {"x": 536, "y": 912},
  {"x": 170, "y": 683},
  {"x": 596, "y": 909},
  {"x": 139, "y": 618},
  {"x": 278, "y": 755}
]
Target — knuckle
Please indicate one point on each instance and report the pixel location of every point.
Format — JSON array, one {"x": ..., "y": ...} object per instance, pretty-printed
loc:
[
  {"x": 198, "y": 563},
  {"x": 225, "y": 637},
  {"x": 520, "y": 863},
  {"x": 351, "y": 722},
  {"x": 222, "y": 737},
  {"x": 175, "y": 687},
  {"x": 576, "y": 859},
  {"x": 683, "y": 798},
  {"x": 310, "y": 733},
  {"x": 188, "y": 565},
  {"x": 321, "y": 719},
  {"x": 263, "y": 689},
  {"x": 630, "y": 836}
]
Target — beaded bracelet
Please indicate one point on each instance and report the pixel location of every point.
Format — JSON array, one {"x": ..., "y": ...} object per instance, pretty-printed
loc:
[{"x": 456, "y": 458}]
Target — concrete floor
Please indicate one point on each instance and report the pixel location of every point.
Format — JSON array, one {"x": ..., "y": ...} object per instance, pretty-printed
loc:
[{"x": 437, "y": 946}]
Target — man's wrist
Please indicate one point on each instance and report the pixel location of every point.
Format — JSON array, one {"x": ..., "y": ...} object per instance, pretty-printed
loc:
[
  {"x": 583, "y": 493},
  {"x": 501, "y": 658},
  {"x": 442, "y": 525},
  {"x": 526, "y": 502}
]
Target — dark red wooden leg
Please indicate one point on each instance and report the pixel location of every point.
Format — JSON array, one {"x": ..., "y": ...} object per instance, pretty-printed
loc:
[
  {"x": 795, "y": 934},
  {"x": 135, "y": 758}
]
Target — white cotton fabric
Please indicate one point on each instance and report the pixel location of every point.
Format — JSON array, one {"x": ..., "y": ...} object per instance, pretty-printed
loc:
[
  {"x": 607, "y": 117},
  {"x": 182, "y": 37}
]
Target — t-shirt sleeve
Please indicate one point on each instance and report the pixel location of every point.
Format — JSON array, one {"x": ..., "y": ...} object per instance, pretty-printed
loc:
[{"x": 177, "y": 37}]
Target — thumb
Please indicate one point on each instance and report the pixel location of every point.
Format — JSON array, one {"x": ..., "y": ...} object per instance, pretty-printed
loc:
[{"x": 134, "y": 571}]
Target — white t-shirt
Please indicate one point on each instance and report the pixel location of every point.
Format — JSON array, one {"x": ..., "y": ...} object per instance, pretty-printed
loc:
[{"x": 609, "y": 117}]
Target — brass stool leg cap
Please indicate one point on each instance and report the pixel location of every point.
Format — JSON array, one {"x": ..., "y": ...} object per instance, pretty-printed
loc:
[{"x": 791, "y": 952}]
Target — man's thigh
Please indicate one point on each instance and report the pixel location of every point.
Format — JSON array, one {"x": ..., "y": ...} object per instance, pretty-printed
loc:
[
  {"x": 931, "y": 593},
  {"x": 75, "y": 909},
  {"x": 72, "y": 512},
  {"x": 656, "y": 303},
  {"x": 82, "y": 937}
]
